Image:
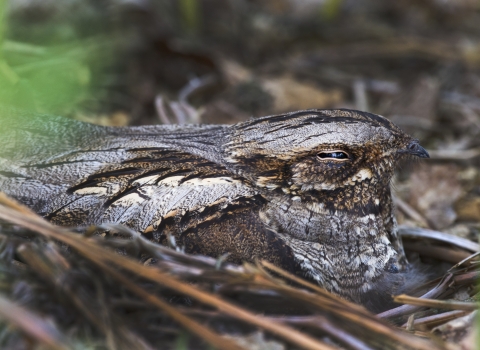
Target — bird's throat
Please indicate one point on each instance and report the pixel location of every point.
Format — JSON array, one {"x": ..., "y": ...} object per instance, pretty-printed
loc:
[{"x": 342, "y": 252}]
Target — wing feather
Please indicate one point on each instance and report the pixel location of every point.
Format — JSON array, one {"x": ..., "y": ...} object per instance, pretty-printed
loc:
[{"x": 80, "y": 174}]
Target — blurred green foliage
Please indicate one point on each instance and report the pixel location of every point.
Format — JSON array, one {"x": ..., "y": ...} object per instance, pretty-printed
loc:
[
  {"x": 190, "y": 15},
  {"x": 331, "y": 9},
  {"x": 51, "y": 73},
  {"x": 182, "y": 341}
]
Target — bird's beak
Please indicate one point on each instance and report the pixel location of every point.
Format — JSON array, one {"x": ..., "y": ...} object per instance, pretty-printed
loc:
[{"x": 414, "y": 149}]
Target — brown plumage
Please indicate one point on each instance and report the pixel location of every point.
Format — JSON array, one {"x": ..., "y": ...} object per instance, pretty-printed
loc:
[{"x": 308, "y": 190}]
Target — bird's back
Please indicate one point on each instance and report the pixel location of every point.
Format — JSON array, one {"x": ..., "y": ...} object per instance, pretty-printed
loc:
[{"x": 76, "y": 173}]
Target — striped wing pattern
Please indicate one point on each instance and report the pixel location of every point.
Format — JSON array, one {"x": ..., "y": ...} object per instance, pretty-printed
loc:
[{"x": 139, "y": 178}]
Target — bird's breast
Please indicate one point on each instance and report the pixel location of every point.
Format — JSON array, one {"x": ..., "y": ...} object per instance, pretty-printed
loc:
[{"x": 344, "y": 253}]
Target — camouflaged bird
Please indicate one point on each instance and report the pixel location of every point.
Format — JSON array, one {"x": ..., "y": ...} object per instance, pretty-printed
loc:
[{"x": 308, "y": 190}]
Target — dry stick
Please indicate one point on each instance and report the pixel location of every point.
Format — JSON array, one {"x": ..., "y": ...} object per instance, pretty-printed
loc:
[
  {"x": 374, "y": 325},
  {"x": 409, "y": 211},
  {"x": 158, "y": 251},
  {"x": 407, "y": 309},
  {"x": 344, "y": 337},
  {"x": 285, "y": 332},
  {"x": 455, "y": 155},
  {"x": 465, "y": 260},
  {"x": 410, "y": 321},
  {"x": 441, "y": 253},
  {"x": 439, "y": 304},
  {"x": 322, "y": 323},
  {"x": 417, "y": 232},
  {"x": 316, "y": 288},
  {"x": 161, "y": 112},
  {"x": 467, "y": 278},
  {"x": 38, "y": 264},
  {"x": 195, "y": 327},
  {"x": 30, "y": 256},
  {"x": 361, "y": 316},
  {"x": 401, "y": 47},
  {"x": 433, "y": 320},
  {"x": 33, "y": 325},
  {"x": 95, "y": 253}
]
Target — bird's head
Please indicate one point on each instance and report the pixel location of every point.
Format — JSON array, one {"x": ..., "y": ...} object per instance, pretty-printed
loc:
[{"x": 305, "y": 154}]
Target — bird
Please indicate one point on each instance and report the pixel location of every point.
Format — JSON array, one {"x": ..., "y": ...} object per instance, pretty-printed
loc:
[{"x": 309, "y": 191}]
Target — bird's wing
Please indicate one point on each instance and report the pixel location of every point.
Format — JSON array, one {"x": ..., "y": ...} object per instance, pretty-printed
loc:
[{"x": 77, "y": 174}]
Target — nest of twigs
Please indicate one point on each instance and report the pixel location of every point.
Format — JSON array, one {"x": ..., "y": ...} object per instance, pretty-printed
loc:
[{"x": 62, "y": 289}]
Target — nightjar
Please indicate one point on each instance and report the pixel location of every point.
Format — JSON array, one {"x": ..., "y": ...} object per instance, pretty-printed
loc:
[{"x": 308, "y": 191}]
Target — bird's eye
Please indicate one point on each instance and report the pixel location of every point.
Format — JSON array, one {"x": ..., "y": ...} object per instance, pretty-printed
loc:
[{"x": 333, "y": 155}]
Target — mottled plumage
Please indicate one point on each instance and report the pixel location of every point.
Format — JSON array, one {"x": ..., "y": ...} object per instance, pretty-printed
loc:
[{"x": 308, "y": 191}]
